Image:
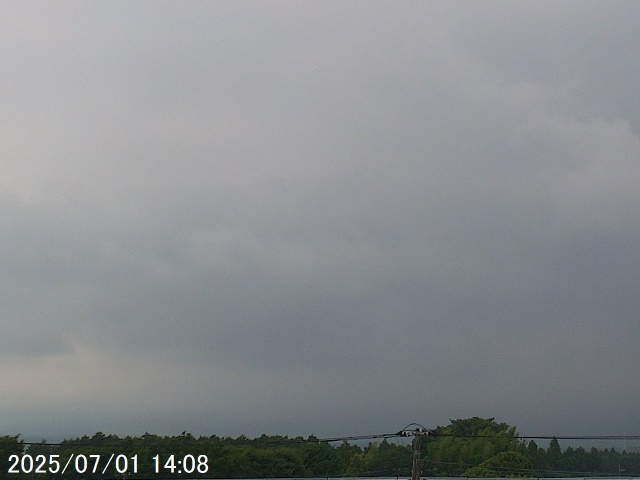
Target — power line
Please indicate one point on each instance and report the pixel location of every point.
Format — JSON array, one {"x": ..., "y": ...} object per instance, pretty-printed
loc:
[
  {"x": 406, "y": 432},
  {"x": 432, "y": 433}
]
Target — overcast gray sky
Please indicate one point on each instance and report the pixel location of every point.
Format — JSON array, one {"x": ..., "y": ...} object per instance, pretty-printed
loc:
[{"x": 329, "y": 218}]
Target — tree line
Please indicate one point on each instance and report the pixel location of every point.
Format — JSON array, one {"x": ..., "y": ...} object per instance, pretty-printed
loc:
[
  {"x": 482, "y": 447},
  {"x": 473, "y": 447}
]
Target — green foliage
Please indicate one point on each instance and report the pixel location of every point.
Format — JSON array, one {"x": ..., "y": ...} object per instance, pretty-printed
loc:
[
  {"x": 503, "y": 464},
  {"x": 9, "y": 445},
  {"x": 393, "y": 459},
  {"x": 248, "y": 462},
  {"x": 480, "y": 472},
  {"x": 351, "y": 458},
  {"x": 320, "y": 459},
  {"x": 387, "y": 459},
  {"x": 466, "y": 443},
  {"x": 554, "y": 455},
  {"x": 477, "y": 447}
]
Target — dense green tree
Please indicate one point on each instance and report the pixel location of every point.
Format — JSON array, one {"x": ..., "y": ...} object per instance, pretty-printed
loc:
[
  {"x": 466, "y": 443},
  {"x": 320, "y": 459},
  {"x": 503, "y": 464},
  {"x": 392, "y": 459},
  {"x": 247, "y": 462},
  {"x": 537, "y": 455},
  {"x": 351, "y": 457},
  {"x": 553, "y": 458},
  {"x": 9, "y": 445}
]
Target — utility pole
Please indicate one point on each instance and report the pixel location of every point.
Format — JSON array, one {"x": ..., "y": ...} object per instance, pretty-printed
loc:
[{"x": 417, "y": 434}]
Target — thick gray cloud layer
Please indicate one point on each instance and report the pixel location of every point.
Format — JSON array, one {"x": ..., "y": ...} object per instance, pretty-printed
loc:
[{"x": 328, "y": 218}]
